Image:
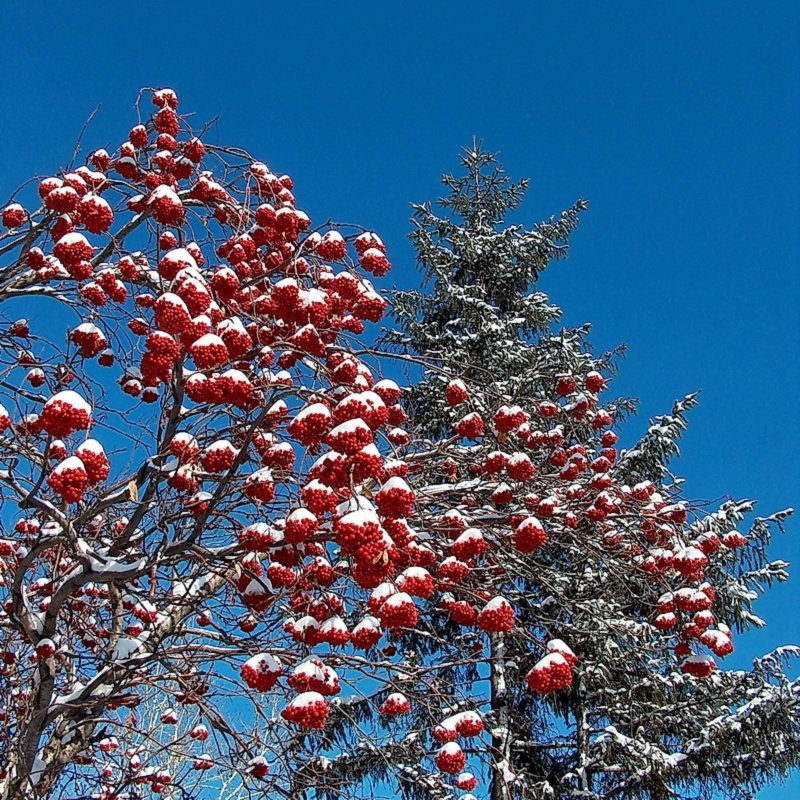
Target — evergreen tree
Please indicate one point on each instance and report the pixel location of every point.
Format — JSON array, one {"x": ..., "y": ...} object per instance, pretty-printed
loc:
[{"x": 622, "y": 588}]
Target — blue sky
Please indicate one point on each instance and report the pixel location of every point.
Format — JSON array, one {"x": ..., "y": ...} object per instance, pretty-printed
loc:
[{"x": 678, "y": 122}]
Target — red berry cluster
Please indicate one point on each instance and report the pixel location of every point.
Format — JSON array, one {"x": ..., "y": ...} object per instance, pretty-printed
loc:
[
  {"x": 258, "y": 537},
  {"x": 471, "y": 426},
  {"x": 262, "y": 671},
  {"x": 451, "y": 758},
  {"x": 13, "y": 216},
  {"x": 308, "y": 710},
  {"x": 396, "y": 704},
  {"x": 529, "y": 535},
  {"x": 314, "y": 676},
  {"x": 399, "y": 611},
  {"x": 551, "y": 674},
  {"x": 69, "y": 480},
  {"x": 64, "y": 413},
  {"x": 497, "y": 616},
  {"x": 94, "y": 460}
]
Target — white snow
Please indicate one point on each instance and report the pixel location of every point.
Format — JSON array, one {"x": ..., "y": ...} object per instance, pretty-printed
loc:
[{"x": 70, "y": 398}]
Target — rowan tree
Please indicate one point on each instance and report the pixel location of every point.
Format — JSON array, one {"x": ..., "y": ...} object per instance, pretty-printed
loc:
[
  {"x": 599, "y": 601},
  {"x": 194, "y": 439}
]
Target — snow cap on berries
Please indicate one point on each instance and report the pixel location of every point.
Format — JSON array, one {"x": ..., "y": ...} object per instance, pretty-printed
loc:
[{"x": 560, "y": 646}]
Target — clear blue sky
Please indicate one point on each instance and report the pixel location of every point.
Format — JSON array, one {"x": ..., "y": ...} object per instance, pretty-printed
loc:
[{"x": 677, "y": 121}]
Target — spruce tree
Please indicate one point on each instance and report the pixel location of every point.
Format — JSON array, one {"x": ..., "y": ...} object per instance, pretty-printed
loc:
[{"x": 624, "y": 590}]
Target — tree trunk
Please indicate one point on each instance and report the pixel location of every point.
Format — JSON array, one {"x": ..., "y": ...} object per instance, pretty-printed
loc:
[
  {"x": 501, "y": 734},
  {"x": 582, "y": 740}
]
